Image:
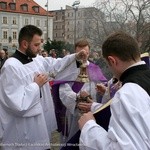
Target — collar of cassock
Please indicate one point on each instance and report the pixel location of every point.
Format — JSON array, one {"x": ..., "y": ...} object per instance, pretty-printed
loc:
[
  {"x": 23, "y": 56},
  {"x": 132, "y": 70}
]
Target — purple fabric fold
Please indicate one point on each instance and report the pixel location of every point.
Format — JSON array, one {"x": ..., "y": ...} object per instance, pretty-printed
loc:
[
  {"x": 95, "y": 73},
  {"x": 77, "y": 86},
  {"x": 147, "y": 60}
]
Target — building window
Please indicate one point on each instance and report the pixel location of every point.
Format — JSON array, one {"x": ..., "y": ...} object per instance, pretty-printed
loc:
[
  {"x": 4, "y": 20},
  {"x": 63, "y": 17},
  {"x": 56, "y": 35},
  {"x": 38, "y": 23},
  {"x": 36, "y": 9},
  {"x": 12, "y": 6},
  {"x": 14, "y": 35},
  {"x": 24, "y": 7},
  {"x": 3, "y": 5},
  {"x": 45, "y": 23},
  {"x": 5, "y": 35},
  {"x": 78, "y": 14},
  {"x": 56, "y": 27},
  {"x": 14, "y": 21},
  {"x": 26, "y": 21},
  {"x": 45, "y": 36}
]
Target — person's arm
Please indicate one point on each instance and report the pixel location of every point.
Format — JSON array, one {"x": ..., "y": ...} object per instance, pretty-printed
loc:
[
  {"x": 95, "y": 106},
  {"x": 92, "y": 135},
  {"x": 63, "y": 67},
  {"x": 68, "y": 97},
  {"x": 128, "y": 127}
]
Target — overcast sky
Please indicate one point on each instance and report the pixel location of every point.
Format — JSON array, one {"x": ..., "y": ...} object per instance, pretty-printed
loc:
[{"x": 57, "y": 4}]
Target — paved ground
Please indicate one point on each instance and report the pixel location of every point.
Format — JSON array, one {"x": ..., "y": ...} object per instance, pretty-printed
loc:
[{"x": 55, "y": 142}]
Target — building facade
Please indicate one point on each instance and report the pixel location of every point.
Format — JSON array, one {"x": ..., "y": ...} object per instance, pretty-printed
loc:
[
  {"x": 14, "y": 14},
  {"x": 71, "y": 24}
]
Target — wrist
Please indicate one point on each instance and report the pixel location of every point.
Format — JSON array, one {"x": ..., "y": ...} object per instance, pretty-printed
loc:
[{"x": 77, "y": 57}]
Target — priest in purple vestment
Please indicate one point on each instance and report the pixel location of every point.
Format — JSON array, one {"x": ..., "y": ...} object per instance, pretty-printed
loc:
[{"x": 69, "y": 91}]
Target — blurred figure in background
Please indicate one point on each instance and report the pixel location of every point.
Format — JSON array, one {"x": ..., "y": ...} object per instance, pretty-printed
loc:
[
  {"x": 52, "y": 53},
  {"x": 65, "y": 52},
  {"x": 3, "y": 57},
  {"x": 44, "y": 53}
]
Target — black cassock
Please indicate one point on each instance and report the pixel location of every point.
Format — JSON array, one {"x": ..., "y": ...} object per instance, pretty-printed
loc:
[{"x": 102, "y": 118}]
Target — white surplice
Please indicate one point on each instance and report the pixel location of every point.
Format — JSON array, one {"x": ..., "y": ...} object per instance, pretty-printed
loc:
[
  {"x": 68, "y": 98},
  {"x": 27, "y": 119},
  {"x": 129, "y": 127}
]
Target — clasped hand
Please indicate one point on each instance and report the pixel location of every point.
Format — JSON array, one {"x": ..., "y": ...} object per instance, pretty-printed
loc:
[
  {"x": 41, "y": 79},
  {"x": 84, "y": 106}
]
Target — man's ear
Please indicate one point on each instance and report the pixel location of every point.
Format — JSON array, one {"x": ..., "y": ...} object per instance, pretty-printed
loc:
[
  {"x": 111, "y": 60},
  {"x": 25, "y": 44}
]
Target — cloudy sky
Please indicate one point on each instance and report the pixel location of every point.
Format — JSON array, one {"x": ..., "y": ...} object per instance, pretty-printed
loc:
[{"x": 57, "y": 4}]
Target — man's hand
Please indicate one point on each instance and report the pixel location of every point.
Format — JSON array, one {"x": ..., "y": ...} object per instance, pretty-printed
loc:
[
  {"x": 82, "y": 55},
  {"x": 84, "y": 107},
  {"x": 85, "y": 118},
  {"x": 41, "y": 79},
  {"x": 84, "y": 94},
  {"x": 101, "y": 88}
]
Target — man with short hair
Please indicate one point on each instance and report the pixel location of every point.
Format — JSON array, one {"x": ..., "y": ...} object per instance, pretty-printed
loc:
[
  {"x": 26, "y": 107},
  {"x": 130, "y": 107},
  {"x": 2, "y": 58},
  {"x": 69, "y": 92},
  {"x": 44, "y": 53}
]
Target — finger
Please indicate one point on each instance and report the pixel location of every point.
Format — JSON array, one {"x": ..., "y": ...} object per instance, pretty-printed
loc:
[
  {"x": 89, "y": 100},
  {"x": 82, "y": 107},
  {"x": 37, "y": 75}
]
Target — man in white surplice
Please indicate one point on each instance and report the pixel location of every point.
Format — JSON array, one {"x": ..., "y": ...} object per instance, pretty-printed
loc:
[
  {"x": 129, "y": 127},
  {"x": 68, "y": 96},
  {"x": 26, "y": 107}
]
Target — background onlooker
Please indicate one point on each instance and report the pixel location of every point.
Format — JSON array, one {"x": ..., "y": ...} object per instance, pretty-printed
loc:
[
  {"x": 44, "y": 53},
  {"x": 2, "y": 57}
]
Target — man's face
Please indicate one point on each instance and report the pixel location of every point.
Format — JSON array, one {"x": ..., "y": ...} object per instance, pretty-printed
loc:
[
  {"x": 34, "y": 46},
  {"x": 44, "y": 54},
  {"x": 2, "y": 54},
  {"x": 86, "y": 48}
]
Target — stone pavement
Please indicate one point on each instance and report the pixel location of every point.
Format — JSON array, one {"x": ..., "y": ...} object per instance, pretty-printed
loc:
[{"x": 55, "y": 141}]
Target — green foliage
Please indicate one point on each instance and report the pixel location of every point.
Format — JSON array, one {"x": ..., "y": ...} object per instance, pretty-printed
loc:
[{"x": 58, "y": 46}]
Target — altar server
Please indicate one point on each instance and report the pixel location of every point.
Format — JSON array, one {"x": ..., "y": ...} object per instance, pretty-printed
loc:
[
  {"x": 26, "y": 107},
  {"x": 130, "y": 107}
]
